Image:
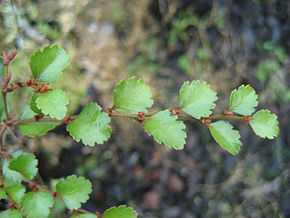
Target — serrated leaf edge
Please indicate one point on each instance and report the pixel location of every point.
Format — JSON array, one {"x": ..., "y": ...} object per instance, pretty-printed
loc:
[
  {"x": 120, "y": 207},
  {"x": 77, "y": 178},
  {"x": 199, "y": 82},
  {"x": 48, "y": 114},
  {"x": 238, "y": 89},
  {"x": 139, "y": 81},
  {"x": 41, "y": 51},
  {"x": 35, "y": 164},
  {"x": 277, "y": 122},
  {"x": 234, "y": 131},
  {"x": 183, "y": 129},
  {"x": 80, "y": 139}
]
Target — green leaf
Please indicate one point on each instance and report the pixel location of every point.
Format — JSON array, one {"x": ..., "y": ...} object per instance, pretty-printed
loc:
[
  {"x": 132, "y": 96},
  {"x": 48, "y": 63},
  {"x": 11, "y": 213},
  {"x": 197, "y": 98},
  {"x": 165, "y": 128},
  {"x": 91, "y": 126},
  {"x": 36, "y": 128},
  {"x": 74, "y": 191},
  {"x": 10, "y": 176},
  {"x": 120, "y": 212},
  {"x": 33, "y": 104},
  {"x": 84, "y": 215},
  {"x": 53, "y": 103},
  {"x": 265, "y": 124},
  {"x": 37, "y": 204},
  {"x": 243, "y": 100},
  {"x": 226, "y": 136},
  {"x": 16, "y": 192},
  {"x": 25, "y": 164},
  {"x": 2, "y": 194}
]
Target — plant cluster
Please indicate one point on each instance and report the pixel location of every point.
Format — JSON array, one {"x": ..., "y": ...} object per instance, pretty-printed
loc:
[{"x": 132, "y": 98}]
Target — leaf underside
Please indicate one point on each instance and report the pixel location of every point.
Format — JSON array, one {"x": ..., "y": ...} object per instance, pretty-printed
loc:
[
  {"x": 166, "y": 129},
  {"x": 35, "y": 128},
  {"x": 225, "y": 135}
]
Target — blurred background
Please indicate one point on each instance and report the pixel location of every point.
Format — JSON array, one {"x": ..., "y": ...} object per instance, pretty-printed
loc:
[{"x": 164, "y": 42}]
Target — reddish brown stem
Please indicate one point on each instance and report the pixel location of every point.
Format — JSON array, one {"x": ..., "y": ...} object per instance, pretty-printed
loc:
[
  {"x": 36, "y": 86},
  {"x": 225, "y": 117}
]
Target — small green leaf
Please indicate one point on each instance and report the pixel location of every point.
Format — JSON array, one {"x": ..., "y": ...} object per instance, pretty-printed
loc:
[
  {"x": 33, "y": 105},
  {"x": 243, "y": 100},
  {"x": 197, "y": 98},
  {"x": 132, "y": 96},
  {"x": 84, "y": 215},
  {"x": 11, "y": 213},
  {"x": 48, "y": 63},
  {"x": 74, "y": 191},
  {"x": 16, "y": 192},
  {"x": 91, "y": 126},
  {"x": 36, "y": 128},
  {"x": 265, "y": 124},
  {"x": 25, "y": 164},
  {"x": 10, "y": 176},
  {"x": 53, "y": 103},
  {"x": 37, "y": 204},
  {"x": 120, "y": 212},
  {"x": 165, "y": 128},
  {"x": 226, "y": 136},
  {"x": 2, "y": 194}
]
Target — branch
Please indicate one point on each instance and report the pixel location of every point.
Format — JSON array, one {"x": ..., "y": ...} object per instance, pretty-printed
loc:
[
  {"x": 138, "y": 116},
  {"x": 6, "y": 80},
  {"x": 32, "y": 83}
]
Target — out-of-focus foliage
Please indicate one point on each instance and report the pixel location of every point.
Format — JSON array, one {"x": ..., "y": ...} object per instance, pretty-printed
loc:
[{"x": 166, "y": 43}]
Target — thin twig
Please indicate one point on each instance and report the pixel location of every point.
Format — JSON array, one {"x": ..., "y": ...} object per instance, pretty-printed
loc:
[
  {"x": 226, "y": 117},
  {"x": 182, "y": 115},
  {"x": 2, "y": 131},
  {"x": 5, "y": 105},
  {"x": 4, "y": 94}
]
